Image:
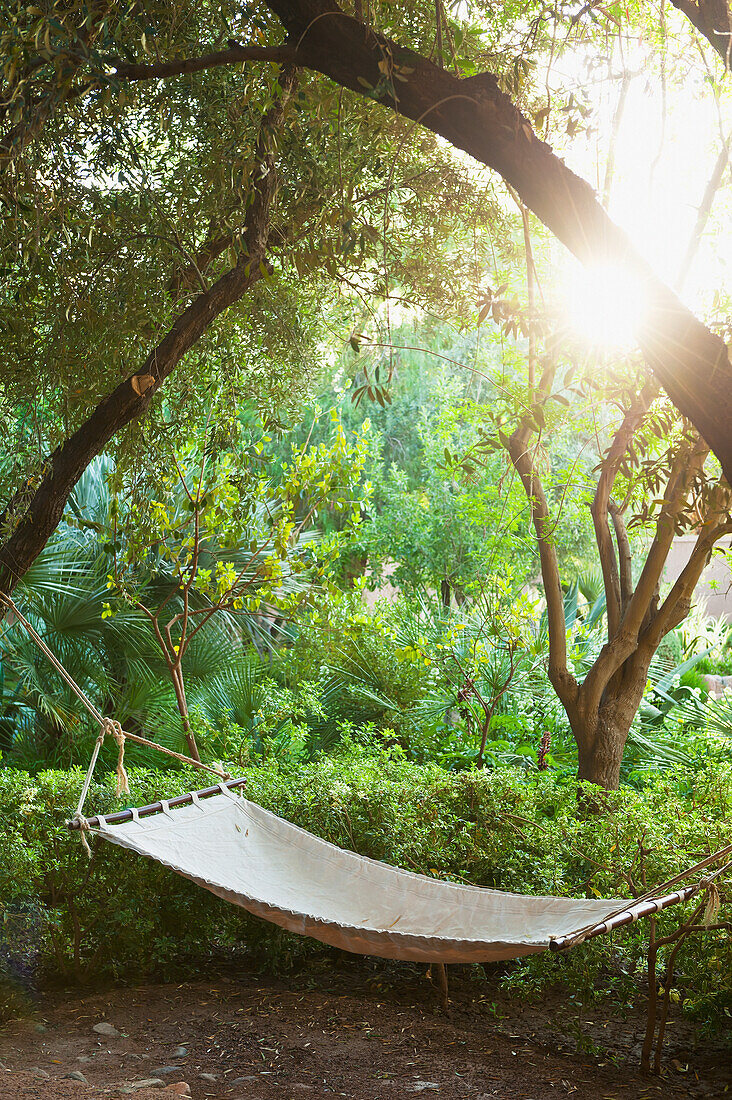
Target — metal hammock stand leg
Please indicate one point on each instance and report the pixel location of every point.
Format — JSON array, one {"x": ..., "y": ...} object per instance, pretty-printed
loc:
[{"x": 249, "y": 856}]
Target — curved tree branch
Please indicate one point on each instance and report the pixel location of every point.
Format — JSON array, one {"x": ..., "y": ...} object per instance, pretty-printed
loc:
[
  {"x": 677, "y": 604},
  {"x": 564, "y": 683},
  {"x": 30, "y": 522},
  {"x": 688, "y": 461},
  {"x": 235, "y": 55},
  {"x": 632, "y": 420},
  {"x": 624, "y": 555}
]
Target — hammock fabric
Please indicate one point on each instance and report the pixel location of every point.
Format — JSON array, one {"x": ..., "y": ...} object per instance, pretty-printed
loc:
[{"x": 277, "y": 871}]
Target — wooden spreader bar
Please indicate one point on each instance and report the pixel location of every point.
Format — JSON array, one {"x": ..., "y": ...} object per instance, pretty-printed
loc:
[
  {"x": 626, "y": 916},
  {"x": 157, "y": 807}
]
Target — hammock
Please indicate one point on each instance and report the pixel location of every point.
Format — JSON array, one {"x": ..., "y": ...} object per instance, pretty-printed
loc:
[{"x": 277, "y": 871}]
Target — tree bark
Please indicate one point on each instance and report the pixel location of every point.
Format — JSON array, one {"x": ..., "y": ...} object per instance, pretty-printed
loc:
[
  {"x": 712, "y": 19},
  {"x": 601, "y": 732}
]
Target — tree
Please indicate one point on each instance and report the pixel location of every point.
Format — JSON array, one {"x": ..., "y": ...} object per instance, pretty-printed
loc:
[
  {"x": 475, "y": 115},
  {"x": 33, "y": 511},
  {"x": 215, "y": 538},
  {"x": 148, "y": 241},
  {"x": 659, "y": 464}
]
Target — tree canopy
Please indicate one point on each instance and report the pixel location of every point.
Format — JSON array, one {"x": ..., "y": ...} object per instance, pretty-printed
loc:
[{"x": 140, "y": 150}]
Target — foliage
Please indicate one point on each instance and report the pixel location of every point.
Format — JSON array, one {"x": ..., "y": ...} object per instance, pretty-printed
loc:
[
  {"x": 126, "y": 201},
  {"x": 222, "y": 538},
  {"x": 229, "y": 526},
  {"x": 254, "y": 561},
  {"x": 493, "y": 829}
]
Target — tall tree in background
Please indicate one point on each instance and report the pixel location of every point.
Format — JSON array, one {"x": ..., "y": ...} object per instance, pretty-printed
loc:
[{"x": 655, "y": 472}]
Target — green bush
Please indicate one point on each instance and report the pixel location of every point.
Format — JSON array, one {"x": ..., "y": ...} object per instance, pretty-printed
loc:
[{"x": 124, "y": 916}]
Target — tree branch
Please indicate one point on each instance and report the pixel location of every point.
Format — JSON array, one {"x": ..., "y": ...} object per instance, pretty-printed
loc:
[
  {"x": 687, "y": 462},
  {"x": 677, "y": 604},
  {"x": 31, "y": 522},
  {"x": 564, "y": 683},
  {"x": 191, "y": 275},
  {"x": 600, "y": 503},
  {"x": 624, "y": 555},
  {"x": 235, "y": 55},
  {"x": 712, "y": 19}
]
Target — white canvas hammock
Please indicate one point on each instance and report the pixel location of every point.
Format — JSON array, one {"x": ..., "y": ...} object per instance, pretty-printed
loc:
[{"x": 277, "y": 871}]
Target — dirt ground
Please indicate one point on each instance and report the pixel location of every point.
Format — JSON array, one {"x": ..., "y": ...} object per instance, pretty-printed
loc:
[{"x": 366, "y": 1030}]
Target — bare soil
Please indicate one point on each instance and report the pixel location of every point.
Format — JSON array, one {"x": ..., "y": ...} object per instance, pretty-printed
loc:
[{"x": 363, "y": 1030}]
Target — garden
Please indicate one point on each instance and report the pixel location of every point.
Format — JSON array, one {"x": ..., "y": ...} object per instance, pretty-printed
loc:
[{"x": 365, "y": 462}]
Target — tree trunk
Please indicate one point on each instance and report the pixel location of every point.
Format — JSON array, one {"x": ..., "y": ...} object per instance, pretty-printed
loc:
[
  {"x": 602, "y": 731},
  {"x": 182, "y": 702},
  {"x": 601, "y": 748}
]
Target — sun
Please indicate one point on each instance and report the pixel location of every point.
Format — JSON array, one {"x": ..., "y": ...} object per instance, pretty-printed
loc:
[
  {"x": 606, "y": 305},
  {"x": 651, "y": 155}
]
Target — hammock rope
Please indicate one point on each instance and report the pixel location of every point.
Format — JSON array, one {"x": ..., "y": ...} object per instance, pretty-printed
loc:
[{"x": 107, "y": 727}]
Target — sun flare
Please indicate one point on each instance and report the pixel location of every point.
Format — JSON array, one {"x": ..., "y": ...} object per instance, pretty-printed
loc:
[
  {"x": 605, "y": 306},
  {"x": 650, "y": 154}
]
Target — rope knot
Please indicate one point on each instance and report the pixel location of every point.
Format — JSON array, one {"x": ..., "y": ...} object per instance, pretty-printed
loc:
[
  {"x": 84, "y": 828},
  {"x": 114, "y": 729}
]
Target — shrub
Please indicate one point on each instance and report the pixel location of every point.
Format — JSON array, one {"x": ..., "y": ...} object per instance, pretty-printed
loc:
[{"x": 124, "y": 916}]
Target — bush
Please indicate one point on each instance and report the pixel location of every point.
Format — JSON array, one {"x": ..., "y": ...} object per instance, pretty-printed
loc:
[{"x": 127, "y": 917}]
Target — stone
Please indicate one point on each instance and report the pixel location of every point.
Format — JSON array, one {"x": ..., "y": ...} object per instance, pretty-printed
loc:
[
  {"x": 180, "y": 1088},
  {"x": 40, "y": 1028},
  {"x": 244, "y": 1080},
  {"x": 180, "y": 1052},
  {"x": 107, "y": 1029},
  {"x": 423, "y": 1086},
  {"x": 83, "y": 1058},
  {"x": 208, "y": 1076},
  {"x": 164, "y": 1071},
  {"x": 147, "y": 1083},
  {"x": 76, "y": 1075},
  {"x": 41, "y": 1073}
]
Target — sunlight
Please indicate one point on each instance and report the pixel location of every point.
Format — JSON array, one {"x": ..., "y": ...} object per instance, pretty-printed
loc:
[
  {"x": 605, "y": 306},
  {"x": 666, "y": 141}
]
